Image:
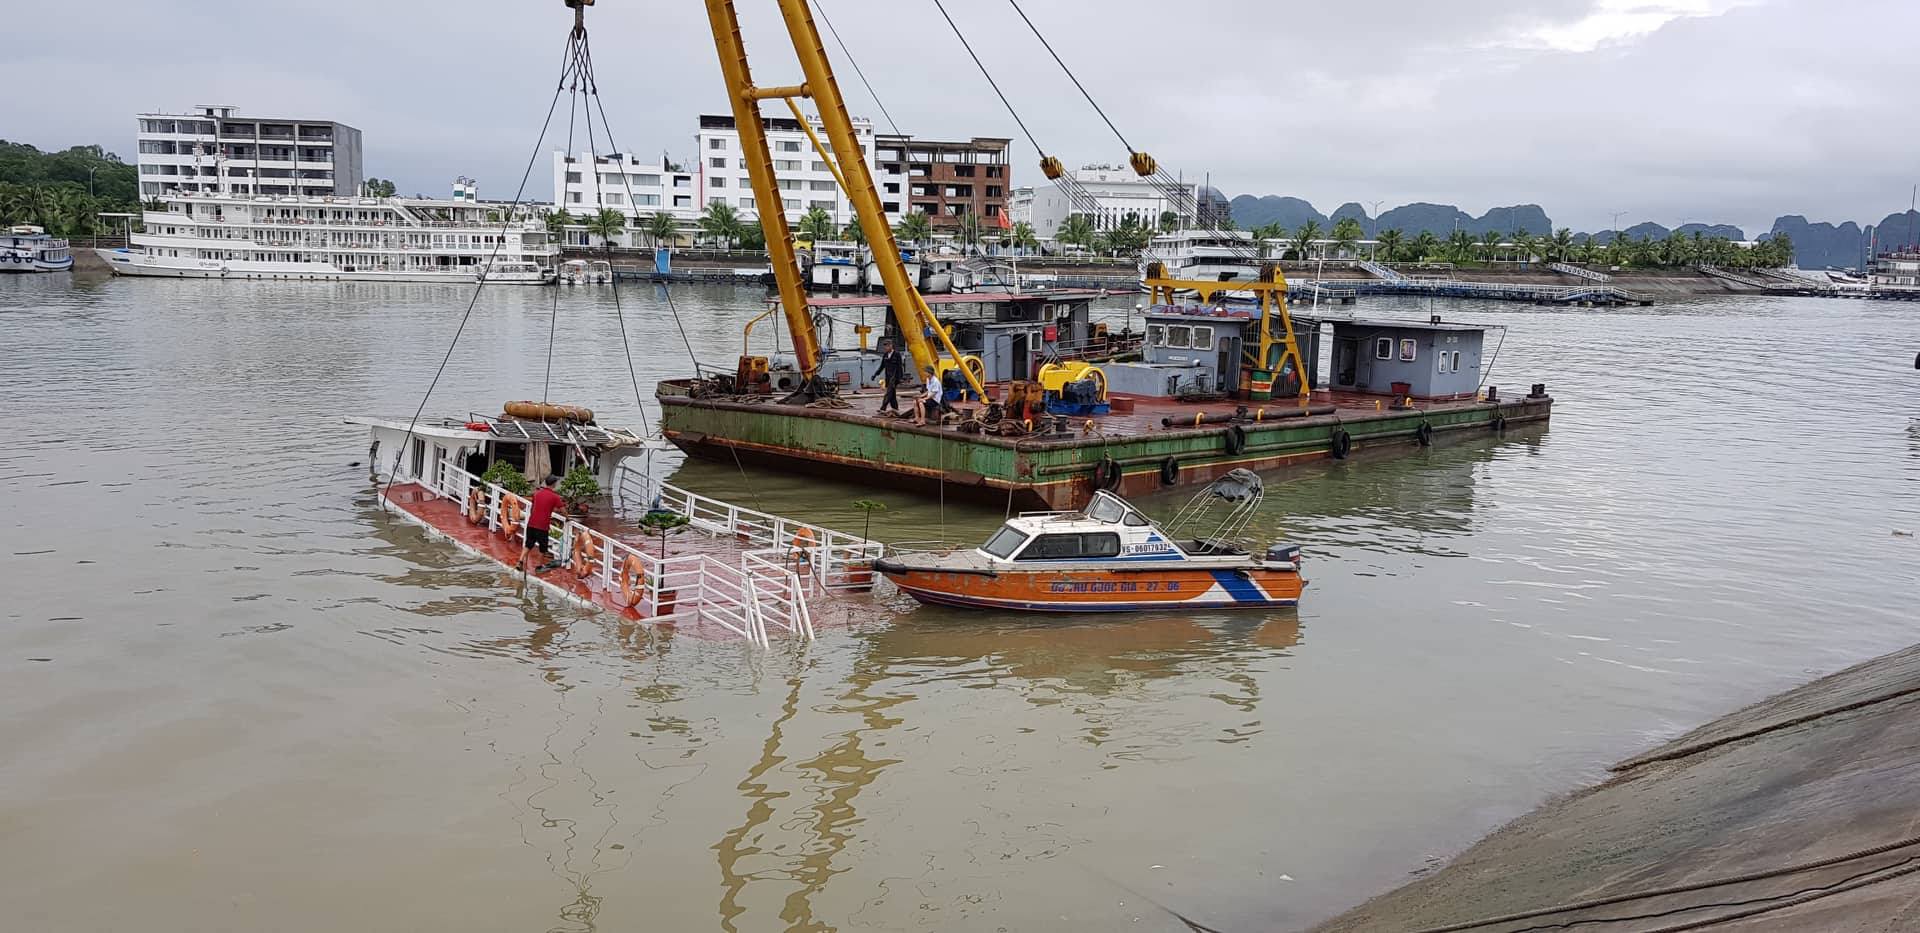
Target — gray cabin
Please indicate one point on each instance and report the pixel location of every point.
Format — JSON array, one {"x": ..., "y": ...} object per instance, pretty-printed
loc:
[
  {"x": 1426, "y": 360},
  {"x": 1199, "y": 349}
]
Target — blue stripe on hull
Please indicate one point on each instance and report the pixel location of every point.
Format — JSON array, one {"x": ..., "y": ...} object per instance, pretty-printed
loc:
[{"x": 969, "y": 602}]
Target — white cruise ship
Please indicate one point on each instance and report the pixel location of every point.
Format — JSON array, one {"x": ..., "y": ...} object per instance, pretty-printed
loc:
[
  {"x": 1205, "y": 256},
  {"x": 231, "y": 236}
]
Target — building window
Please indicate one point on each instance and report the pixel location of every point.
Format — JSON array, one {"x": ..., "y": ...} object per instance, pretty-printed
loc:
[
  {"x": 993, "y": 210},
  {"x": 649, "y": 200},
  {"x": 716, "y": 143},
  {"x": 891, "y": 207},
  {"x": 717, "y": 200},
  {"x": 716, "y": 163},
  {"x": 993, "y": 171},
  {"x": 573, "y": 197},
  {"x": 819, "y": 166},
  {"x": 682, "y": 200},
  {"x": 820, "y": 185},
  {"x": 646, "y": 180},
  {"x": 716, "y": 183},
  {"x": 790, "y": 184},
  {"x": 820, "y": 205},
  {"x": 790, "y": 204},
  {"x": 746, "y": 203},
  {"x": 573, "y": 178},
  {"x": 789, "y": 146},
  {"x": 893, "y": 187},
  {"x": 993, "y": 191},
  {"x": 963, "y": 171},
  {"x": 786, "y": 165},
  {"x": 1407, "y": 349},
  {"x": 1383, "y": 348}
]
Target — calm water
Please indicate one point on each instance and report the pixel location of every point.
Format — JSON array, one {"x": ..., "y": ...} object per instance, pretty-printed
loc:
[{"x": 234, "y": 695}]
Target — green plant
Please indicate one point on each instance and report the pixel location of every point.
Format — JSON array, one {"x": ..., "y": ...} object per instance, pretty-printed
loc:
[
  {"x": 721, "y": 222},
  {"x": 508, "y": 477},
  {"x": 606, "y": 225},
  {"x": 662, "y": 227},
  {"x": 662, "y": 523},
  {"x": 816, "y": 225},
  {"x": 915, "y": 227},
  {"x": 869, "y": 506},
  {"x": 577, "y": 487}
]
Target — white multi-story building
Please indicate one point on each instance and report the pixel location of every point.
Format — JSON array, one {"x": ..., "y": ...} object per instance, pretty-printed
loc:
[
  {"x": 1116, "y": 193},
  {"x": 804, "y": 178},
  {"x": 584, "y": 184},
  {"x": 214, "y": 150}
]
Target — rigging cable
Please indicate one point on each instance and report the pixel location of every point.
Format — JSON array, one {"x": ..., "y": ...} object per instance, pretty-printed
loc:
[
  {"x": 1070, "y": 75},
  {"x": 856, "y": 68},
  {"x": 573, "y": 107},
  {"x": 506, "y": 221},
  {"x": 989, "y": 76}
]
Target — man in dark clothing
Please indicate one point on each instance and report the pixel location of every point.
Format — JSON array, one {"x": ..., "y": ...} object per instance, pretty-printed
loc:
[
  {"x": 540, "y": 522},
  {"x": 891, "y": 372}
]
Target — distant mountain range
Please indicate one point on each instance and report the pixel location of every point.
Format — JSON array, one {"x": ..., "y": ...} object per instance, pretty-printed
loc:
[{"x": 1815, "y": 245}]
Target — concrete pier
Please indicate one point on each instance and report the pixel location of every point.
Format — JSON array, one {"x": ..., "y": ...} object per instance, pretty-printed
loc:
[{"x": 1763, "y": 814}]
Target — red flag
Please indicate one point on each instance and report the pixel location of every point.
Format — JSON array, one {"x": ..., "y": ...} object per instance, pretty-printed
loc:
[{"x": 1004, "y": 223}]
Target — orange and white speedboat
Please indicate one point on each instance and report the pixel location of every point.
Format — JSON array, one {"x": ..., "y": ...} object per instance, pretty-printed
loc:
[{"x": 1109, "y": 557}]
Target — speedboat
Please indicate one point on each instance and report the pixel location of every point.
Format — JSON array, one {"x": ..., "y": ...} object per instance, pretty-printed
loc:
[{"x": 1109, "y": 557}]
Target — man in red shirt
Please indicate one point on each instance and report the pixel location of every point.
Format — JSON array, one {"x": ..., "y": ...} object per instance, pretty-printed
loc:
[{"x": 540, "y": 522}]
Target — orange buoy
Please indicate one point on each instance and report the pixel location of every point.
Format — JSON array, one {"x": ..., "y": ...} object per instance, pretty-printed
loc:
[
  {"x": 544, "y": 411},
  {"x": 513, "y": 515},
  {"x": 586, "y": 554},
  {"x": 477, "y": 505},
  {"x": 803, "y": 543},
  {"x": 633, "y": 581}
]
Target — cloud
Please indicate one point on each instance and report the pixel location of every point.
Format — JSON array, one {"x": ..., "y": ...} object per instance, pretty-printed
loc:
[{"x": 1675, "y": 110}]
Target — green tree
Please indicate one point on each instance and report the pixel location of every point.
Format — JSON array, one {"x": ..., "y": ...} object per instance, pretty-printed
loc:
[
  {"x": 753, "y": 236},
  {"x": 1490, "y": 244},
  {"x": 914, "y": 227},
  {"x": 1562, "y": 246},
  {"x": 380, "y": 187},
  {"x": 816, "y": 225},
  {"x": 1524, "y": 245},
  {"x": 1023, "y": 237},
  {"x": 1424, "y": 246},
  {"x": 606, "y": 225},
  {"x": 1129, "y": 238},
  {"x": 557, "y": 222},
  {"x": 662, "y": 228},
  {"x": 853, "y": 232},
  {"x": 1459, "y": 246},
  {"x": 1346, "y": 232},
  {"x": 1390, "y": 241},
  {"x": 722, "y": 222},
  {"x": 1303, "y": 238},
  {"x": 1169, "y": 221},
  {"x": 1077, "y": 231}
]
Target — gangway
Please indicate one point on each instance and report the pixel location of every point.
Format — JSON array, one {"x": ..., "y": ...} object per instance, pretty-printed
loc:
[{"x": 1579, "y": 272}]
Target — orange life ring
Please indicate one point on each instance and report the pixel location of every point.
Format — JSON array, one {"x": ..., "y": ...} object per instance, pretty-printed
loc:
[
  {"x": 513, "y": 515},
  {"x": 633, "y": 581},
  {"x": 803, "y": 543},
  {"x": 586, "y": 554},
  {"x": 477, "y": 505}
]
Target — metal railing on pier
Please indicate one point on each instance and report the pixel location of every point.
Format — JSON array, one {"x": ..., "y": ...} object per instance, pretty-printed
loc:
[{"x": 1566, "y": 268}]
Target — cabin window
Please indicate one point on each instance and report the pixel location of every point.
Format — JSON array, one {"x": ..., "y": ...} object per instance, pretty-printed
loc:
[
  {"x": 1106, "y": 511},
  {"x": 1180, "y": 336},
  {"x": 1456, "y": 361},
  {"x": 1072, "y": 547},
  {"x": 1004, "y": 542},
  {"x": 1156, "y": 335},
  {"x": 419, "y": 456},
  {"x": 1408, "y": 346},
  {"x": 1203, "y": 338},
  {"x": 1383, "y": 348},
  {"x": 1136, "y": 520},
  {"x": 1100, "y": 545},
  {"x": 1442, "y": 357}
]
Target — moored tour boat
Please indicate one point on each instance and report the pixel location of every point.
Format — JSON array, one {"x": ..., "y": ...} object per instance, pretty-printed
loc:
[
  {"x": 27, "y": 248},
  {"x": 1109, "y": 557}
]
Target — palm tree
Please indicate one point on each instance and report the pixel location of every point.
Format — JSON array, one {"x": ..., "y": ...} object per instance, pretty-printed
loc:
[
  {"x": 1490, "y": 242},
  {"x": 1562, "y": 244},
  {"x": 1524, "y": 245},
  {"x": 1078, "y": 231},
  {"x": 557, "y": 222},
  {"x": 1130, "y": 237},
  {"x": 1424, "y": 245},
  {"x": 1346, "y": 233},
  {"x": 816, "y": 225},
  {"x": 1169, "y": 221},
  {"x": 606, "y": 225},
  {"x": 1390, "y": 241},
  {"x": 853, "y": 232},
  {"x": 1460, "y": 244},
  {"x": 721, "y": 222},
  {"x": 662, "y": 227},
  {"x": 914, "y": 227},
  {"x": 14, "y": 204},
  {"x": 1023, "y": 237},
  {"x": 1303, "y": 238}
]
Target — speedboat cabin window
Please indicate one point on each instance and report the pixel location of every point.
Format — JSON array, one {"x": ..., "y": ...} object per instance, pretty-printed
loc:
[
  {"x": 1072, "y": 547},
  {"x": 1383, "y": 348},
  {"x": 1106, "y": 511},
  {"x": 1004, "y": 542},
  {"x": 1136, "y": 520},
  {"x": 1203, "y": 338}
]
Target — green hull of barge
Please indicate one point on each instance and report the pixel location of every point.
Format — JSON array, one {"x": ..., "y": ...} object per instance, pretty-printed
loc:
[{"x": 1053, "y": 473}]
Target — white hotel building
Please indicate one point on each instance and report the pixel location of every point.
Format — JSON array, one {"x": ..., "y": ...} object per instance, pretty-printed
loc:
[
  {"x": 718, "y": 176},
  {"x": 1116, "y": 192},
  {"x": 214, "y": 150}
]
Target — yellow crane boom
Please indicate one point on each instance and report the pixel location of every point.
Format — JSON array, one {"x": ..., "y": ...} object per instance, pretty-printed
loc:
[{"x": 916, "y": 321}]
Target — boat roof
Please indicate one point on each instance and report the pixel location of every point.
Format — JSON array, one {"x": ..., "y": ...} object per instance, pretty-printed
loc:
[
  {"x": 512, "y": 429},
  {"x": 1109, "y": 509},
  {"x": 957, "y": 298}
]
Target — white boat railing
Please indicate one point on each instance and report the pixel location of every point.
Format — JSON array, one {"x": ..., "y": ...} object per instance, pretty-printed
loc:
[
  {"x": 745, "y": 600},
  {"x": 829, "y": 559}
]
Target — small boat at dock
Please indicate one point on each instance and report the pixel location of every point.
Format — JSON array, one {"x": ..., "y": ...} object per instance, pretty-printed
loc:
[{"x": 1109, "y": 557}]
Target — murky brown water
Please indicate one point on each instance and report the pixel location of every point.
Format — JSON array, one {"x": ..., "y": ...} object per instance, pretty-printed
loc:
[{"x": 238, "y": 697}]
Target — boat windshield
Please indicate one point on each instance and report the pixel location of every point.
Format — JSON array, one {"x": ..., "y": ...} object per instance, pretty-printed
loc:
[
  {"x": 1004, "y": 542},
  {"x": 1106, "y": 510}
]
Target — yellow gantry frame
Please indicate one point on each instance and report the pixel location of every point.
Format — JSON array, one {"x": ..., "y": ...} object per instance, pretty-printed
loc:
[
  {"x": 1272, "y": 291},
  {"x": 916, "y": 320}
]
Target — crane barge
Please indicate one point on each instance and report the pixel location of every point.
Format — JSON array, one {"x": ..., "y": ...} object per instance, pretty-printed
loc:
[{"x": 1043, "y": 406}]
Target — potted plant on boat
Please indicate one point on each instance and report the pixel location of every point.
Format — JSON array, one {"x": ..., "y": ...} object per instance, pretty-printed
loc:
[
  {"x": 862, "y": 574},
  {"x": 663, "y": 523},
  {"x": 578, "y": 489},
  {"x": 508, "y": 477}
]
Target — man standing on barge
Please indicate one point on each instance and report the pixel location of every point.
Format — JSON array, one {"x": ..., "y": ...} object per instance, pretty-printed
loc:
[{"x": 892, "y": 371}]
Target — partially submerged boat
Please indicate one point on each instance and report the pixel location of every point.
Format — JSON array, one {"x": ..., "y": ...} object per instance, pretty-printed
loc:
[{"x": 1109, "y": 557}]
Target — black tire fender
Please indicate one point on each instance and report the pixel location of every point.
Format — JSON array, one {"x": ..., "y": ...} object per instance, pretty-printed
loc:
[
  {"x": 1169, "y": 471},
  {"x": 1424, "y": 434},
  {"x": 1106, "y": 474},
  {"x": 1236, "y": 440},
  {"x": 1340, "y": 443}
]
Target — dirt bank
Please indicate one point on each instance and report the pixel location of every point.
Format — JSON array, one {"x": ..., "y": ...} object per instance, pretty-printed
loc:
[{"x": 1823, "y": 771}]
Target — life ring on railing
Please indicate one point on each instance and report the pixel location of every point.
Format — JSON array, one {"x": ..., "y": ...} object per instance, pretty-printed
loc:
[
  {"x": 633, "y": 581},
  {"x": 1236, "y": 440},
  {"x": 1340, "y": 443},
  {"x": 513, "y": 515},
  {"x": 586, "y": 554},
  {"x": 477, "y": 505},
  {"x": 803, "y": 544},
  {"x": 1424, "y": 434},
  {"x": 1169, "y": 471}
]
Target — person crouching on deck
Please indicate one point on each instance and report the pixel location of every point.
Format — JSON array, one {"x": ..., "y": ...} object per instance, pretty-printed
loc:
[
  {"x": 930, "y": 403},
  {"x": 540, "y": 522}
]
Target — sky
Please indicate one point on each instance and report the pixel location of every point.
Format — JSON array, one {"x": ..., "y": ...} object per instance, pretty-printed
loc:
[{"x": 1673, "y": 111}]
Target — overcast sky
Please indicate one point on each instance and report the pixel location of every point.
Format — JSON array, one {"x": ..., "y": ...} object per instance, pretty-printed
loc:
[{"x": 1673, "y": 111}]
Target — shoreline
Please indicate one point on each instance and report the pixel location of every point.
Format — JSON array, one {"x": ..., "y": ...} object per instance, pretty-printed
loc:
[{"x": 1817, "y": 773}]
